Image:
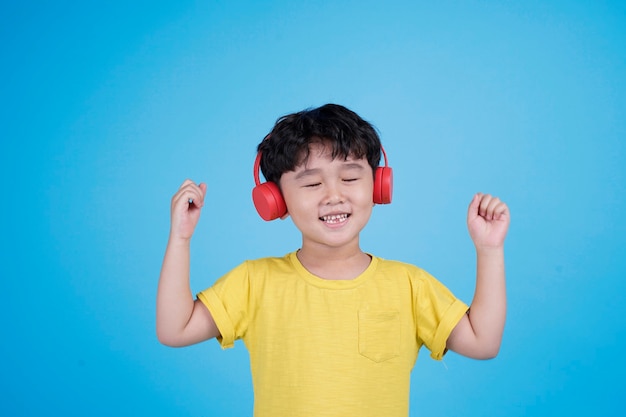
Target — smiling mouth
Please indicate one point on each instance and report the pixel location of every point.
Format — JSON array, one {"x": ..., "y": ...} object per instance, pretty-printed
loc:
[{"x": 335, "y": 218}]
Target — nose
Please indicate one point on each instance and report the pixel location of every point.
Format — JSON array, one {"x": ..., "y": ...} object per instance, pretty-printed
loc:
[{"x": 334, "y": 194}]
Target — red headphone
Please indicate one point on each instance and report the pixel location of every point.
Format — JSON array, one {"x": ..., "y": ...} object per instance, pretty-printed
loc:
[{"x": 270, "y": 204}]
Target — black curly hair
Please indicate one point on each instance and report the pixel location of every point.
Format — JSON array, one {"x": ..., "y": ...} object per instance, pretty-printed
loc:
[{"x": 287, "y": 145}]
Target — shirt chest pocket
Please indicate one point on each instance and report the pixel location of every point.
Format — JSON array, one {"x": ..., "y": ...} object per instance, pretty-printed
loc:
[{"x": 379, "y": 334}]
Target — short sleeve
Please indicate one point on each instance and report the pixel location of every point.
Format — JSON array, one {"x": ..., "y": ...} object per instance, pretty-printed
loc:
[
  {"x": 438, "y": 311},
  {"x": 228, "y": 301}
]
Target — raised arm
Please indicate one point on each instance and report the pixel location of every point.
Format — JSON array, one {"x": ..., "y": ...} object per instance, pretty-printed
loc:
[
  {"x": 181, "y": 321},
  {"x": 479, "y": 334}
]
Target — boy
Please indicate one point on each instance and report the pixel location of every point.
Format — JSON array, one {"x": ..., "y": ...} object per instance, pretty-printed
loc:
[{"x": 331, "y": 330}]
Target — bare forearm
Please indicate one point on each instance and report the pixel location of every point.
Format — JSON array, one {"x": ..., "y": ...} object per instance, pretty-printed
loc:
[
  {"x": 488, "y": 310},
  {"x": 174, "y": 298}
]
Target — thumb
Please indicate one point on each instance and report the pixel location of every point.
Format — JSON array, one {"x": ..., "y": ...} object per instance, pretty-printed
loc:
[{"x": 203, "y": 188}]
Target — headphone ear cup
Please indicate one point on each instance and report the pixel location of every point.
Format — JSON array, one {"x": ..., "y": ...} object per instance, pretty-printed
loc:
[
  {"x": 383, "y": 185},
  {"x": 269, "y": 201}
]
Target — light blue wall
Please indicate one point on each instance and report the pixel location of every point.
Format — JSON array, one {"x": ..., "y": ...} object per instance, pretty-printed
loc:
[{"x": 108, "y": 106}]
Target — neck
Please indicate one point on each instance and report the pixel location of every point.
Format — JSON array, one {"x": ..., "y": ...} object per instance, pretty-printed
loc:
[{"x": 334, "y": 263}]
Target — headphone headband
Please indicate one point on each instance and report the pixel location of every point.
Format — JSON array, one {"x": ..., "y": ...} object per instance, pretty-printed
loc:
[
  {"x": 384, "y": 155},
  {"x": 257, "y": 168}
]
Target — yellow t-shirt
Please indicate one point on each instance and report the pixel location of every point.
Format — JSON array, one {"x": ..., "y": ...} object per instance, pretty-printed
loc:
[{"x": 332, "y": 348}]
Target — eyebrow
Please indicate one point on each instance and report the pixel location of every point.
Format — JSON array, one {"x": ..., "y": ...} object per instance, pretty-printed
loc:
[
  {"x": 314, "y": 171},
  {"x": 306, "y": 173}
]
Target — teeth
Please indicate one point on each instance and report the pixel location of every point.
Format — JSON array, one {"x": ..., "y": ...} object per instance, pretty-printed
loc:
[{"x": 335, "y": 218}]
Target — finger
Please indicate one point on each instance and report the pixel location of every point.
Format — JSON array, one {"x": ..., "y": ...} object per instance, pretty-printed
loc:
[
  {"x": 184, "y": 188},
  {"x": 198, "y": 194},
  {"x": 496, "y": 208},
  {"x": 500, "y": 210},
  {"x": 189, "y": 193},
  {"x": 474, "y": 204},
  {"x": 203, "y": 188},
  {"x": 494, "y": 202},
  {"x": 195, "y": 197},
  {"x": 483, "y": 206}
]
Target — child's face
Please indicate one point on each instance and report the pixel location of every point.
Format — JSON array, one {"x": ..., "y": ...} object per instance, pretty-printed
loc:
[{"x": 329, "y": 200}]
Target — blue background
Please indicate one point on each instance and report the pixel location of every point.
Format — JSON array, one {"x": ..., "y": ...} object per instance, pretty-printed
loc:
[{"x": 108, "y": 106}]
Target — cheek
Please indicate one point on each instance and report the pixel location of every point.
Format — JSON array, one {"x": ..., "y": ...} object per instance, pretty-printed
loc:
[
  {"x": 296, "y": 202},
  {"x": 367, "y": 195}
]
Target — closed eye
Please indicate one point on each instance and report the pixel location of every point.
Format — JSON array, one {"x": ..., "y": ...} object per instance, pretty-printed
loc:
[
  {"x": 350, "y": 179},
  {"x": 312, "y": 185}
]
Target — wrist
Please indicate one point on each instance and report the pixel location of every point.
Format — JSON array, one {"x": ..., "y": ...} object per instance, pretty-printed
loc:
[
  {"x": 179, "y": 241},
  {"x": 489, "y": 251}
]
